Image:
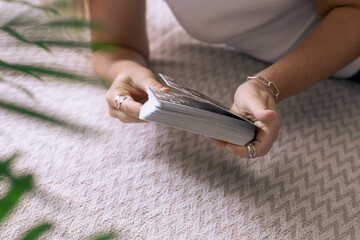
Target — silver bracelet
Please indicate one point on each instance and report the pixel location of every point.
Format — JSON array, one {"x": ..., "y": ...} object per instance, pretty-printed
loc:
[{"x": 272, "y": 87}]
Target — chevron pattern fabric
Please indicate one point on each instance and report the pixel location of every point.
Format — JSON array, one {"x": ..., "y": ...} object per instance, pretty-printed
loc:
[{"x": 148, "y": 181}]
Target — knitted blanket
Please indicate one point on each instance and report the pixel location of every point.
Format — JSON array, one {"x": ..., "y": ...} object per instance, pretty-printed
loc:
[{"x": 95, "y": 174}]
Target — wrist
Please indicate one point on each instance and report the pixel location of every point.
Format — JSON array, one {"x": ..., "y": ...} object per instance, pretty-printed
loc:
[
  {"x": 120, "y": 53},
  {"x": 108, "y": 65},
  {"x": 124, "y": 66},
  {"x": 266, "y": 83},
  {"x": 261, "y": 90}
]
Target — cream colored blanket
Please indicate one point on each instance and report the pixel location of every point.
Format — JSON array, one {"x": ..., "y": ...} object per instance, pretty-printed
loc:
[{"x": 148, "y": 181}]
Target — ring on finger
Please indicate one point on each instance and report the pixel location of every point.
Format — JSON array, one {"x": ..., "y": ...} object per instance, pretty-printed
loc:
[
  {"x": 119, "y": 99},
  {"x": 251, "y": 150}
]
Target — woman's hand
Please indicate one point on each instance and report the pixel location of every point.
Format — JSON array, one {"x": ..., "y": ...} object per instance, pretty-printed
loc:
[
  {"x": 131, "y": 83},
  {"x": 254, "y": 101}
]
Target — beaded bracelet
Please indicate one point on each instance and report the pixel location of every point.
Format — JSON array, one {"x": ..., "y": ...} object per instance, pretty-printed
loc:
[{"x": 272, "y": 87}]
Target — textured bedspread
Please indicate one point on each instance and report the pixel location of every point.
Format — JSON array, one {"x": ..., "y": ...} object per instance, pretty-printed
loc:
[{"x": 148, "y": 181}]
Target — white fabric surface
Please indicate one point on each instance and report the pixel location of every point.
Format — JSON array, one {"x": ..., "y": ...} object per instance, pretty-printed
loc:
[
  {"x": 267, "y": 31},
  {"x": 147, "y": 181}
]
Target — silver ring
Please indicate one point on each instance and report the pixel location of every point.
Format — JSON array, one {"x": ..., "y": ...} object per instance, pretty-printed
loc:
[
  {"x": 251, "y": 150},
  {"x": 122, "y": 99}
]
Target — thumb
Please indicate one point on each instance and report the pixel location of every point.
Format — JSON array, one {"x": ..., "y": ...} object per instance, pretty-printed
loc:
[
  {"x": 152, "y": 83},
  {"x": 261, "y": 111}
]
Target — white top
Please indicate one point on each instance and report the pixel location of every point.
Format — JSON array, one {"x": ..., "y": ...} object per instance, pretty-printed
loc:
[{"x": 268, "y": 30}]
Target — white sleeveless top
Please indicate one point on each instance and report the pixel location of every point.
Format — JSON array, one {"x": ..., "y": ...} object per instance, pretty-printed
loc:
[{"x": 267, "y": 30}]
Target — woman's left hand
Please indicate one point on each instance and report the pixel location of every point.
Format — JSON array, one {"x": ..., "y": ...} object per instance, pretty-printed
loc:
[{"x": 254, "y": 101}]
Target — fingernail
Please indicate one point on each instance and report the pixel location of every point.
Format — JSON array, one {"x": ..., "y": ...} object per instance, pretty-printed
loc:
[
  {"x": 165, "y": 89},
  {"x": 231, "y": 149}
]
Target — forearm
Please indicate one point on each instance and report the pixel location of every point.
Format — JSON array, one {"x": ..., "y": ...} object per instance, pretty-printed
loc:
[
  {"x": 124, "y": 27},
  {"x": 108, "y": 65},
  {"x": 333, "y": 44}
]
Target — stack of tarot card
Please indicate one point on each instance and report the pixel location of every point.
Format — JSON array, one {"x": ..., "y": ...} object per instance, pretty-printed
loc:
[{"x": 187, "y": 109}]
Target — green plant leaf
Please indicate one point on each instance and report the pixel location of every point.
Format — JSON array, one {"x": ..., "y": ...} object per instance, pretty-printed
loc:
[
  {"x": 42, "y": 45},
  {"x": 50, "y": 72},
  {"x": 21, "y": 88},
  {"x": 19, "y": 37},
  {"x": 68, "y": 44},
  {"x": 19, "y": 68},
  {"x": 24, "y": 90},
  {"x": 13, "y": 33},
  {"x": 31, "y": 113},
  {"x": 107, "y": 47},
  {"x": 35, "y": 232},
  {"x": 41, "y": 7},
  {"x": 41, "y": 116},
  {"x": 74, "y": 23},
  {"x": 73, "y": 44},
  {"x": 104, "y": 237},
  {"x": 4, "y": 166},
  {"x": 34, "y": 71},
  {"x": 60, "y": 4},
  {"x": 19, "y": 186}
]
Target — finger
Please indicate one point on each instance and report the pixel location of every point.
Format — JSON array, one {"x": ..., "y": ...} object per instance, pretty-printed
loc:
[
  {"x": 261, "y": 111},
  {"x": 150, "y": 81},
  {"x": 124, "y": 85},
  {"x": 128, "y": 105},
  {"x": 216, "y": 142},
  {"x": 265, "y": 138},
  {"x": 239, "y": 151},
  {"x": 123, "y": 116}
]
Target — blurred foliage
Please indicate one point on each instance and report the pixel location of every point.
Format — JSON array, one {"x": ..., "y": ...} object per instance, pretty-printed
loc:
[
  {"x": 41, "y": 116},
  {"x": 44, "y": 8},
  {"x": 20, "y": 185},
  {"x": 104, "y": 237},
  {"x": 35, "y": 232}
]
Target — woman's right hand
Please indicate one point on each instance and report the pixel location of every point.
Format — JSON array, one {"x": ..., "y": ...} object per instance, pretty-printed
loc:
[{"x": 131, "y": 83}]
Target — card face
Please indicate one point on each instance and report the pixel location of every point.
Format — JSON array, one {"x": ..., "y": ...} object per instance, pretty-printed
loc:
[
  {"x": 192, "y": 98},
  {"x": 180, "y": 100},
  {"x": 187, "y": 90},
  {"x": 183, "y": 100},
  {"x": 172, "y": 97}
]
